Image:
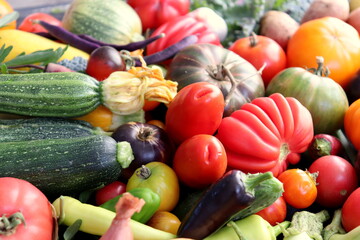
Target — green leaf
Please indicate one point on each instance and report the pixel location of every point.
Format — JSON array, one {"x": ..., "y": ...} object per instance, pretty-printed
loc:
[
  {"x": 71, "y": 231},
  {"x": 4, "y": 52},
  {"x": 42, "y": 57},
  {"x": 8, "y": 18},
  {"x": 4, "y": 69}
]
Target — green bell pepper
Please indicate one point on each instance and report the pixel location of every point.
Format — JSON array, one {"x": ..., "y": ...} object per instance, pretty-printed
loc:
[{"x": 152, "y": 203}]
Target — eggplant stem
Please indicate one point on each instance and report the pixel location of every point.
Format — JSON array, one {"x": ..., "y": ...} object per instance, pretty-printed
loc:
[{"x": 255, "y": 179}]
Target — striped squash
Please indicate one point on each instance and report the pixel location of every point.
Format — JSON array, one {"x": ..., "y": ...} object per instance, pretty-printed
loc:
[{"x": 111, "y": 21}]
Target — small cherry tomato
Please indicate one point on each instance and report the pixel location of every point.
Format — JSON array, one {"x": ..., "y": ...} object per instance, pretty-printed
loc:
[
  {"x": 165, "y": 221},
  {"x": 260, "y": 50},
  {"x": 200, "y": 161},
  {"x": 275, "y": 213},
  {"x": 299, "y": 188},
  {"x": 336, "y": 180},
  {"x": 109, "y": 191},
  {"x": 29, "y": 25},
  {"x": 350, "y": 211}
]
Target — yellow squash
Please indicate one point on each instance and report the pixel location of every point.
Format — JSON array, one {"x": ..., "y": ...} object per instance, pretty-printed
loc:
[{"x": 30, "y": 42}]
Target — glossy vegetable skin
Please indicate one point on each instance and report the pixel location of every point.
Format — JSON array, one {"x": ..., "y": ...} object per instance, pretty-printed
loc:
[
  {"x": 152, "y": 203},
  {"x": 351, "y": 211},
  {"x": 338, "y": 173},
  {"x": 260, "y": 50},
  {"x": 178, "y": 28},
  {"x": 165, "y": 221},
  {"x": 30, "y": 210},
  {"x": 161, "y": 179},
  {"x": 267, "y": 134},
  {"x": 275, "y": 213},
  {"x": 200, "y": 161},
  {"x": 109, "y": 191},
  {"x": 154, "y": 13},
  {"x": 299, "y": 187},
  {"x": 238, "y": 79},
  {"x": 196, "y": 109},
  {"x": 351, "y": 123},
  {"x": 224, "y": 199},
  {"x": 149, "y": 143},
  {"x": 331, "y": 38},
  {"x": 321, "y": 95},
  {"x": 324, "y": 144}
]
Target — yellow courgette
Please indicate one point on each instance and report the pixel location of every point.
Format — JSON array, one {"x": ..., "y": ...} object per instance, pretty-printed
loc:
[{"x": 30, "y": 42}]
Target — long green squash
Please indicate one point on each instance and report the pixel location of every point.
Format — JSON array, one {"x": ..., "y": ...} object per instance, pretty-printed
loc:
[
  {"x": 17, "y": 130},
  {"x": 74, "y": 94},
  {"x": 63, "y": 166}
]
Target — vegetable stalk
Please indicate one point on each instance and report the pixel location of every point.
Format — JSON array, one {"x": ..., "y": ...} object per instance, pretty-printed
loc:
[{"x": 334, "y": 231}]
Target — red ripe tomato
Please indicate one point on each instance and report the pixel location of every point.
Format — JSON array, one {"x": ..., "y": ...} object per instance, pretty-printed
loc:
[
  {"x": 260, "y": 50},
  {"x": 28, "y": 24},
  {"x": 338, "y": 173},
  {"x": 196, "y": 109},
  {"x": 350, "y": 211},
  {"x": 200, "y": 161},
  {"x": 275, "y": 213},
  {"x": 153, "y": 13},
  {"x": 109, "y": 191},
  {"x": 299, "y": 188},
  {"x": 21, "y": 197}
]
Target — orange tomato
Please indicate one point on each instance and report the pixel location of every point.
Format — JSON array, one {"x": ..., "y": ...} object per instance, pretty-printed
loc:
[
  {"x": 333, "y": 39},
  {"x": 6, "y": 8},
  {"x": 165, "y": 221},
  {"x": 299, "y": 188},
  {"x": 351, "y": 123}
]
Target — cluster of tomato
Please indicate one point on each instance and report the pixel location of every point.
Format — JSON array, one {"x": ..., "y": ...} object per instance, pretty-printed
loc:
[{"x": 209, "y": 144}]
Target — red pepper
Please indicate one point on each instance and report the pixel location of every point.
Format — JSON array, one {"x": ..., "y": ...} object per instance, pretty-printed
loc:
[
  {"x": 266, "y": 134},
  {"x": 178, "y": 28}
]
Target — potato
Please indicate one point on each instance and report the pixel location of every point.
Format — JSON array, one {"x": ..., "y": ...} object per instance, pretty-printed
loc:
[
  {"x": 327, "y": 8},
  {"x": 279, "y": 26},
  {"x": 354, "y": 19}
]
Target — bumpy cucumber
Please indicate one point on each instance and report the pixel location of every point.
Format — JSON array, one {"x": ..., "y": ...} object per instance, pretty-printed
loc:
[{"x": 63, "y": 94}]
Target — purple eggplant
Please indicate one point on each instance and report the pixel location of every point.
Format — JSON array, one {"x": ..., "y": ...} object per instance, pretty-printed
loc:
[{"x": 324, "y": 144}]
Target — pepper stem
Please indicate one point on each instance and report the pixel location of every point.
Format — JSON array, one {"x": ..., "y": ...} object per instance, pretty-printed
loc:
[
  {"x": 237, "y": 230},
  {"x": 9, "y": 224},
  {"x": 144, "y": 172},
  {"x": 278, "y": 228}
]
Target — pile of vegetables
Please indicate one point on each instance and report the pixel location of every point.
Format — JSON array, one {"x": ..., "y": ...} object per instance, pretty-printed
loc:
[{"x": 200, "y": 119}]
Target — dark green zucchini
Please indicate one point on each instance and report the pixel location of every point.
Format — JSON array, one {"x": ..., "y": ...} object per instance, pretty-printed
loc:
[
  {"x": 60, "y": 94},
  {"x": 16, "y": 130},
  {"x": 63, "y": 166}
]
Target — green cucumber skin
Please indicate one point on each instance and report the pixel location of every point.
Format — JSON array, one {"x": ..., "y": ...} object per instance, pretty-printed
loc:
[
  {"x": 62, "y": 166},
  {"x": 17, "y": 130},
  {"x": 63, "y": 94}
]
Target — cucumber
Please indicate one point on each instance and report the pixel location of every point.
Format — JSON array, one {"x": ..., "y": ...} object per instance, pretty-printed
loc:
[
  {"x": 62, "y": 94},
  {"x": 63, "y": 166},
  {"x": 15, "y": 130}
]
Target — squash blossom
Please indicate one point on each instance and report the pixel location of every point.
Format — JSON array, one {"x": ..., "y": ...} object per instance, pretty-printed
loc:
[{"x": 126, "y": 91}]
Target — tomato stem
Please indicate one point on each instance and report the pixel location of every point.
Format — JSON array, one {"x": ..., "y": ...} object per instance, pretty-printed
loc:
[
  {"x": 144, "y": 172},
  {"x": 8, "y": 224},
  {"x": 253, "y": 39},
  {"x": 321, "y": 70}
]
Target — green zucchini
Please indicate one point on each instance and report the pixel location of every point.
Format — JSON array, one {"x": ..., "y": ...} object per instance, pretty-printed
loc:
[
  {"x": 62, "y": 94},
  {"x": 63, "y": 166},
  {"x": 15, "y": 130}
]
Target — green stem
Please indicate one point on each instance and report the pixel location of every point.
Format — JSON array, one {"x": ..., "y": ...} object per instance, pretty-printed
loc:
[
  {"x": 237, "y": 230},
  {"x": 144, "y": 172},
  {"x": 278, "y": 228},
  {"x": 334, "y": 227},
  {"x": 9, "y": 224},
  {"x": 254, "y": 180}
]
